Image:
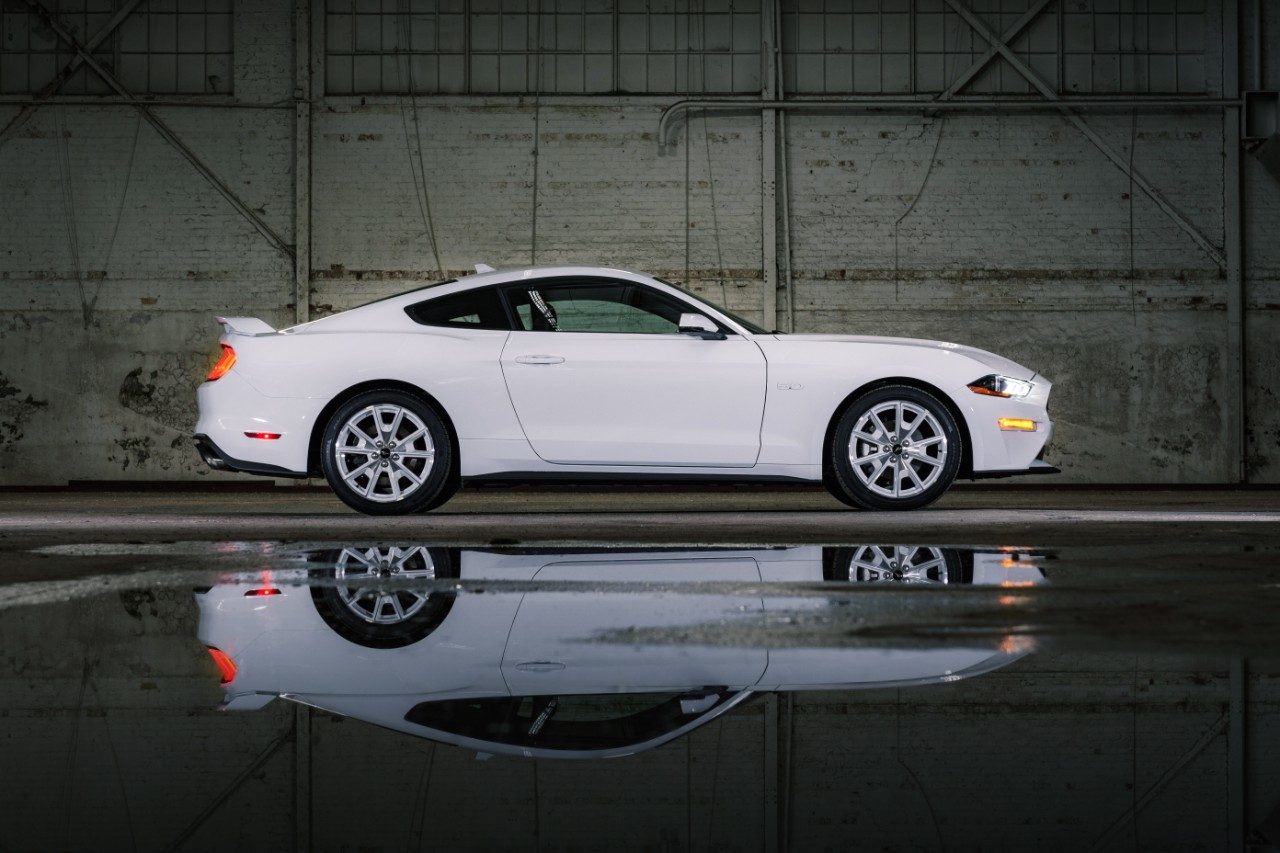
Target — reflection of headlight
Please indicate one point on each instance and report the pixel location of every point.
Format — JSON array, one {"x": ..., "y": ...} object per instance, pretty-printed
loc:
[{"x": 996, "y": 385}]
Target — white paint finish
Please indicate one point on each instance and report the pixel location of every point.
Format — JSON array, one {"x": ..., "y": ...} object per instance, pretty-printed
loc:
[
  {"x": 599, "y": 402},
  {"x": 638, "y": 399}
]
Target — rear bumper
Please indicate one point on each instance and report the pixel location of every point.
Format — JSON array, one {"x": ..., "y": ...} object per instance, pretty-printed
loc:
[
  {"x": 232, "y": 411},
  {"x": 216, "y": 459}
]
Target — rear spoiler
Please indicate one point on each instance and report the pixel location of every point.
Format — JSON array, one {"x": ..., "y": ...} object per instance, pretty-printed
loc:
[{"x": 245, "y": 326}]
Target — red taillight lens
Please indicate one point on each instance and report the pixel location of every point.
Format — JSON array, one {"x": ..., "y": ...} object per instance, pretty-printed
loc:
[
  {"x": 226, "y": 665},
  {"x": 269, "y": 436},
  {"x": 266, "y": 590},
  {"x": 224, "y": 364}
]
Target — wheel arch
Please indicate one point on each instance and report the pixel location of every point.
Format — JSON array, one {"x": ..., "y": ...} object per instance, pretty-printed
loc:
[
  {"x": 966, "y": 450},
  {"x": 322, "y": 419}
]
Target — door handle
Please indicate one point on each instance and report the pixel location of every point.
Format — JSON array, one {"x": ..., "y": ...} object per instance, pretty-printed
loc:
[
  {"x": 540, "y": 666},
  {"x": 539, "y": 359}
]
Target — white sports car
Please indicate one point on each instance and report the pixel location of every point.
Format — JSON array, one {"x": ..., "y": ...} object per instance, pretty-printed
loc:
[{"x": 596, "y": 374}]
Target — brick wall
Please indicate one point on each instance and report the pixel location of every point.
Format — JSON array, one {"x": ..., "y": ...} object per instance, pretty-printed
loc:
[{"x": 1023, "y": 239}]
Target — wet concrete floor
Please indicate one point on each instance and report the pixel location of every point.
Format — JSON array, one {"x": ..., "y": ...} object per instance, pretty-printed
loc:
[{"x": 641, "y": 669}]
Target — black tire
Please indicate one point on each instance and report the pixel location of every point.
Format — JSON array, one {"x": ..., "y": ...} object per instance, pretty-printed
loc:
[
  {"x": 351, "y": 616},
  {"x": 846, "y": 486},
  {"x": 440, "y": 482},
  {"x": 952, "y": 566}
]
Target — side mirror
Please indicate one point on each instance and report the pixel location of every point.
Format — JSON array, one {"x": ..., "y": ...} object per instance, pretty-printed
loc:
[{"x": 700, "y": 327}]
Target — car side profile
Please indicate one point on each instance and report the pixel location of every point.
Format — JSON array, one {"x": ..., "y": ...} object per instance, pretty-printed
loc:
[{"x": 594, "y": 374}]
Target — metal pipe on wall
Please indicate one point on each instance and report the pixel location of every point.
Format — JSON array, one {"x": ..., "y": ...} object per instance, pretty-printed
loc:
[{"x": 899, "y": 105}]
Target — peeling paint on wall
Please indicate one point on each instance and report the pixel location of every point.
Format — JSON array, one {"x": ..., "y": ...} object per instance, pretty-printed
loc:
[{"x": 16, "y": 410}]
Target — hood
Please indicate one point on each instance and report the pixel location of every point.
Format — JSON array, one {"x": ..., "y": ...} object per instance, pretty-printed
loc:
[{"x": 997, "y": 363}]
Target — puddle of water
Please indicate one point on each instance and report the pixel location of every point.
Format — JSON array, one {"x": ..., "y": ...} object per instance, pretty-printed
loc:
[{"x": 189, "y": 695}]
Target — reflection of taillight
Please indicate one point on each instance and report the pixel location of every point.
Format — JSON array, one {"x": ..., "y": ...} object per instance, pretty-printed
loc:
[
  {"x": 266, "y": 590},
  {"x": 224, "y": 364},
  {"x": 226, "y": 665}
]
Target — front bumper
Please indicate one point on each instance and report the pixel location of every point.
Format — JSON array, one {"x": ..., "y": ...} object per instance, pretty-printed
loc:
[{"x": 1039, "y": 466}]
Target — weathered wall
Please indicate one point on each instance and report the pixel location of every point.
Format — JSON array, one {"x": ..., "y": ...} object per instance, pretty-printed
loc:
[{"x": 1023, "y": 239}]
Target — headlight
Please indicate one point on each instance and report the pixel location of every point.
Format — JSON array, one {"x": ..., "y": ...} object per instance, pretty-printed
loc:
[{"x": 996, "y": 385}]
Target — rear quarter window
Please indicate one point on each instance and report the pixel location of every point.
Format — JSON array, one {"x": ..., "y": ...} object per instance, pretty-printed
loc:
[{"x": 481, "y": 308}]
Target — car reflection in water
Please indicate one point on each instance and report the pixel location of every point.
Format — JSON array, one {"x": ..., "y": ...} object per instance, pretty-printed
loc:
[{"x": 526, "y": 672}]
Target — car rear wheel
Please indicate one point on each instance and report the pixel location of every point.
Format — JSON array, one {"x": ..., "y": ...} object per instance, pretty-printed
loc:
[
  {"x": 387, "y": 452},
  {"x": 894, "y": 448}
]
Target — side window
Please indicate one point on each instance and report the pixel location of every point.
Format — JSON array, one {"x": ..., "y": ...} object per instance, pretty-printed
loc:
[
  {"x": 599, "y": 721},
  {"x": 618, "y": 307},
  {"x": 471, "y": 309}
]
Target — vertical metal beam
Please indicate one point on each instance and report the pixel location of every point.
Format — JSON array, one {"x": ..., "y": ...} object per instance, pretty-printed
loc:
[
  {"x": 769, "y": 171},
  {"x": 1237, "y": 733},
  {"x": 302, "y": 86},
  {"x": 1233, "y": 234}
]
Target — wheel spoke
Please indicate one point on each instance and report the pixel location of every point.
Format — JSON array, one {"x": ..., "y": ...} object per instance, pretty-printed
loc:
[
  {"x": 911, "y": 472},
  {"x": 407, "y": 474},
  {"x": 395, "y": 425},
  {"x": 350, "y": 478}
]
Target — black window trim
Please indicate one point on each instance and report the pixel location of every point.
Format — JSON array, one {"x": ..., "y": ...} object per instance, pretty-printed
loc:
[{"x": 596, "y": 280}]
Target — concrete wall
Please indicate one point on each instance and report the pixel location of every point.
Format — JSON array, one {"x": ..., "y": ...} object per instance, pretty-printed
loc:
[
  {"x": 109, "y": 735},
  {"x": 1022, "y": 239}
]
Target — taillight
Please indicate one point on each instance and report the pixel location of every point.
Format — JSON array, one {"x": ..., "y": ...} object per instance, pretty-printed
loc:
[
  {"x": 226, "y": 665},
  {"x": 266, "y": 590},
  {"x": 224, "y": 364}
]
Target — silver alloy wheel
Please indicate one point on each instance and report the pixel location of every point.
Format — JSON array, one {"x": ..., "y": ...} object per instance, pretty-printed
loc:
[
  {"x": 897, "y": 449},
  {"x": 384, "y": 452},
  {"x": 383, "y": 606},
  {"x": 898, "y": 563}
]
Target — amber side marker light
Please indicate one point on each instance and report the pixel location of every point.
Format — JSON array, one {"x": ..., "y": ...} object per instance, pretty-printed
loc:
[
  {"x": 226, "y": 665},
  {"x": 1017, "y": 424},
  {"x": 224, "y": 364},
  {"x": 268, "y": 436}
]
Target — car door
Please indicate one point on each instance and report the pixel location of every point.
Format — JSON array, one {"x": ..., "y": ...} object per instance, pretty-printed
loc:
[
  {"x": 600, "y": 375},
  {"x": 560, "y": 643}
]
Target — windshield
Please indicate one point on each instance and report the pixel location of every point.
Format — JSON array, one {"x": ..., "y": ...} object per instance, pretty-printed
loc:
[{"x": 746, "y": 324}]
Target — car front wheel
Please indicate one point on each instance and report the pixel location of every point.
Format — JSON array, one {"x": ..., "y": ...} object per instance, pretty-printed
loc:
[
  {"x": 894, "y": 448},
  {"x": 387, "y": 452}
]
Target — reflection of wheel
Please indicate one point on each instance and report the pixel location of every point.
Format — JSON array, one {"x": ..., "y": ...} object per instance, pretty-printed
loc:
[
  {"x": 386, "y": 452},
  {"x": 368, "y": 602},
  {"x": 907, "y": 564},
  {"x": 894, "y": 448}
]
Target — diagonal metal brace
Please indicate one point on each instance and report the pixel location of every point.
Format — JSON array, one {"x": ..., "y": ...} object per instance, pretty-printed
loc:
[
  {"x": 1212, "y": 250},
  {"x": 164, "y": 130},
  {"x": 51, "y": 88},
  {"x": 981, "y": 62}
]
